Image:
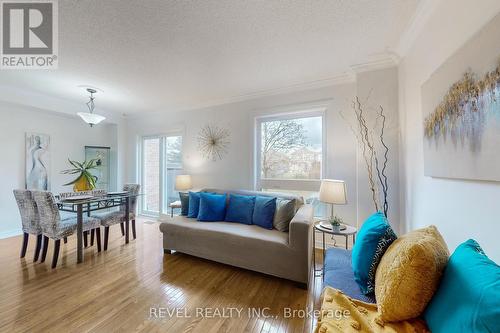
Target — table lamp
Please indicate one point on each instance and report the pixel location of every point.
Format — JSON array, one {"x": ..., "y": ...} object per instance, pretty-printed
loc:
[
  {"x": 183, "y": 183},
  {"x": 333, "y": 192}
]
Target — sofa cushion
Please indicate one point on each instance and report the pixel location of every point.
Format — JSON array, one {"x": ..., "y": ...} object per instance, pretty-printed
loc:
[
  {"x": 194, "y": 204},
  {"x": 184, "y": 198},
  {"x": 468, "y": 297},
  {"x": 263, "y": 212},
  {"x": 285, "y": 210},
  {"x": 212, "y": 207},
  {"x": 240, "y": 208},
  {"x": 409, "y": 273},
  {"x": 372, "y": 241},
  {"x": 339, "y": 274}
]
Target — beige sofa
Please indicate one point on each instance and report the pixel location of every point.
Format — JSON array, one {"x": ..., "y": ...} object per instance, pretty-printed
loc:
[{"x": 282, "y": 254}]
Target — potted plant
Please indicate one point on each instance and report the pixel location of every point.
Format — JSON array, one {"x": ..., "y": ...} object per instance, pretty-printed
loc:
[
  {"x": 85, "y": 180},
  {"x": 336, "y": 223}
]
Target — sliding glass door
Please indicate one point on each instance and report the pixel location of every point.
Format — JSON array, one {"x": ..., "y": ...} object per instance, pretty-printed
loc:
[{"x": 161, "y": 161}]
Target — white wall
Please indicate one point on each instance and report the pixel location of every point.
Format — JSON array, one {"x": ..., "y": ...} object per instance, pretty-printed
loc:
[
  {"x": 460, "y": 209},
  {"x": 236, "y": 169},
  {"x": 68, "y": 137}
]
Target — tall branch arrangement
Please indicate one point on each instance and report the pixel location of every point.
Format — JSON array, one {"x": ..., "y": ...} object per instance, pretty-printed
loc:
[{"x": 371, "y": 148}]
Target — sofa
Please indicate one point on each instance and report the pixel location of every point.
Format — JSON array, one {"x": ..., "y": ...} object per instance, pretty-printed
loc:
[
  {"x": 338, "y": 274},
  {"x": 419, "y": 288},
  {"x": 283, "y": 254}
]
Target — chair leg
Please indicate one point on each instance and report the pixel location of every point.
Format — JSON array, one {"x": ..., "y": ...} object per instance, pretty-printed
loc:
[
  {"x": 45, "y": 247},
  {"x": 65, "y": 240},
  {"x": 123, "y": 229},
  {"x": 106, "y": 235},
  {"x": 26, "y": 236},
  {"x": 98, "y": 238},
  {"x": 57, "y": 245},
  {"x": 133, "y": 228},
  {"x": 92, "y": 237},
  {"x": 38, "y": 247},
  {"x": 85, "y": 240}
]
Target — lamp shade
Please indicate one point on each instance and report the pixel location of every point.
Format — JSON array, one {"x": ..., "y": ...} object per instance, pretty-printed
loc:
[
  {"x": 183, "y": 182},
  {"x": 91, "y": 118},
  {"x": 333, "y": 191}
]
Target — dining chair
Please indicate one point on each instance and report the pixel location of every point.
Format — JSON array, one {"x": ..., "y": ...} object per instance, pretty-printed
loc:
[
  {"x": 115, "y": 217},
  {"x": 56, "y": 228},
  {"x": 30, "y": 220}
]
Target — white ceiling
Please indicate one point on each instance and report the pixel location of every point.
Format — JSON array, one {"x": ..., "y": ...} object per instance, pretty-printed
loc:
[{"x": 154, "y": 55}]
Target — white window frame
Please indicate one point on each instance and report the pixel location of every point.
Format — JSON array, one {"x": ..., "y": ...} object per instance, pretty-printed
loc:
[
  {"x": 163, "y": 208},
  {"x": 289, "y": 184}
]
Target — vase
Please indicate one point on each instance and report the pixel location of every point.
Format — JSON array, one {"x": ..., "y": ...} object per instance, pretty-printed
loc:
[
  {"x": 335, "y": 228},
  {"x": 82, "y": 184}
]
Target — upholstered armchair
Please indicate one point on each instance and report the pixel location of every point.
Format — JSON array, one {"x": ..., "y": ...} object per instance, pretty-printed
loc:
[{"x": 55, "y": 228}]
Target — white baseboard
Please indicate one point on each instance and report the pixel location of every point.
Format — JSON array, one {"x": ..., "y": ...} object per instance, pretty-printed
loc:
[{"x": 10, "y": 233}]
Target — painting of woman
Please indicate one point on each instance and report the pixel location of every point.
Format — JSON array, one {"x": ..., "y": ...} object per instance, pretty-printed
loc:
[{"x": 37, "y": 161}]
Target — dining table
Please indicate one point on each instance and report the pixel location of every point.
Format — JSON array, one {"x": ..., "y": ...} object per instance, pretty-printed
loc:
[{"x": 87, "y": 204}]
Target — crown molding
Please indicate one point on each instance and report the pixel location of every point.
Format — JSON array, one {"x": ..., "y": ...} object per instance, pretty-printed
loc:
[
  {"x": 417, "y": 23},
  {"x": 344, "y": 78},
  {"x": 380, "y": 61}
]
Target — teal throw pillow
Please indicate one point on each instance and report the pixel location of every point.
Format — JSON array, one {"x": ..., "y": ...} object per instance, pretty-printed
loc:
[
  {"x": 372, "y": 241},
  {"x": 468, "y": 297}
]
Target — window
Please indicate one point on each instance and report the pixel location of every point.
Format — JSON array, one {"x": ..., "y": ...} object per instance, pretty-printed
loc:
[
  {"x": 161, "y": 163},
  {"x": 289, "y": 151}
]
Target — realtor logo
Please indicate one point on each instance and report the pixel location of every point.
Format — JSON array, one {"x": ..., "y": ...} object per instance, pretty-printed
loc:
[{"x": 29, "y": 34}]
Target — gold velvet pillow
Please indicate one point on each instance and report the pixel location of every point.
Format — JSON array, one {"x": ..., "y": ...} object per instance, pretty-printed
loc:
[{"x": 409, "y": 274}]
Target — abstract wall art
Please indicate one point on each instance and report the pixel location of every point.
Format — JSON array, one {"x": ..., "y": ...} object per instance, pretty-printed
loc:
[
  {"x": 37, "y": 161},
  {"x": 461, "y": 109}
]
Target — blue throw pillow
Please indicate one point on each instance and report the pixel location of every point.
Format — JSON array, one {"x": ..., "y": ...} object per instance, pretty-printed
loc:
[
  {"x": 194, "y": 204},
  {"x": 263, "y": 212},
  {"x": 468, "y": 297},
  {"x": 240, "y": 209},
  {"x": 212, "y": 207},
  {"x": 372, "y": 241}
]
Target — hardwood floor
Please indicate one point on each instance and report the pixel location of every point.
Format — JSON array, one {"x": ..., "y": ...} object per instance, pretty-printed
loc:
[{"x": 119, "y": 289}]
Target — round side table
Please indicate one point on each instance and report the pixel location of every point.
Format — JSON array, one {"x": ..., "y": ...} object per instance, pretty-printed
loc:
[{"x": 348, "y": 231}]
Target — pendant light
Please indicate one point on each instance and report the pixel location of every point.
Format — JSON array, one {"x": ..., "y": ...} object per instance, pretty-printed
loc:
[{"x": 91, "y": 118}]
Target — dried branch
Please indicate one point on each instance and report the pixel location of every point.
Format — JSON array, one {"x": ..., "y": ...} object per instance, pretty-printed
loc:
[
  {"x": 365, "y": 137},
  {"x": 367, "y": 149}
]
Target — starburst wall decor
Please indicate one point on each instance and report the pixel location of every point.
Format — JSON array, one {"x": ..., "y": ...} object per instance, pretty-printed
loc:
[{"x": 213, "y": 142}]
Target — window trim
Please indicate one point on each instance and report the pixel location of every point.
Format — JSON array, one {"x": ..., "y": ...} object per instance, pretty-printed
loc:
[{"x": 289, "y": 184}]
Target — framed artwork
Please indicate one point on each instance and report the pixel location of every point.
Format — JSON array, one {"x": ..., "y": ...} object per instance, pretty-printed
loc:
[
  {"x": 461, "y": 109},
  {"x": 102, "y": 170},
  {"x": 37, "y": 161}
]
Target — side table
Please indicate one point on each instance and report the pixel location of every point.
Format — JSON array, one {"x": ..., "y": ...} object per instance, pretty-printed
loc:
[
  {"x": 348, "y": 231},
  {"x": 174, "y": 205}
]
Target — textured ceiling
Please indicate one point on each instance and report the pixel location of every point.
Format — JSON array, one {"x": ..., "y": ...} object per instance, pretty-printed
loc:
[{"x": 163, "y": 55}]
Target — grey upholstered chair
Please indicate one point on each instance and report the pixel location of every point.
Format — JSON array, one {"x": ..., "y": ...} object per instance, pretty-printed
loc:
[
  {"x": 30, "y": 220},
  {"x": 56, "y": 228},
  {"x": 109, "y": 219}
]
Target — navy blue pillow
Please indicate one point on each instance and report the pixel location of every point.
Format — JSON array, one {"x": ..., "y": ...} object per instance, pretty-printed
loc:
[
  {"x": 263, "y": 212},
  {"x": 212, "y": 207},
  {"x": 194, "y": 204},
  {"x": 184, "y": 203},
  {"x": 240, "y": 209}
]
